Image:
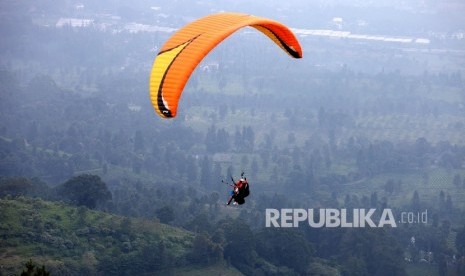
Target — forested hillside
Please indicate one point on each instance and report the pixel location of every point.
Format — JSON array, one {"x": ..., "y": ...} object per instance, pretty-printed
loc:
[{"x": 75, "y": 240}]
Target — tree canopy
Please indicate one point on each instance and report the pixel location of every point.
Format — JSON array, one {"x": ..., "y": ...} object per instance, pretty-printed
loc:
[{"x": 86, "y": 189}]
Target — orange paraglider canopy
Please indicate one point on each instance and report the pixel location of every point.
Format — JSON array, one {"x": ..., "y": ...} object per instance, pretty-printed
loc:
[{"x": 181, "y": 54}]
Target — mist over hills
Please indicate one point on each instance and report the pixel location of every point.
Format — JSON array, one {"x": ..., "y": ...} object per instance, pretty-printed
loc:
[{"x": 371, "y": 117}]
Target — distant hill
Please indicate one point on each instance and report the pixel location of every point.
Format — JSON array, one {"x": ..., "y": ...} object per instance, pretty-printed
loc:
[{"x": 76, "y": 240}]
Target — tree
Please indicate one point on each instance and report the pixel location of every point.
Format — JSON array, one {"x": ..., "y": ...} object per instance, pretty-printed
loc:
[
  {"x": 33, "y": 270},
  {"x": 354, "y": 266},
  {"x": 191, "y": 168},
  {"x": 240, "y": 246},
  {"x": 165, "y": 214},
  {"x": 442, "y": 200},
  {"x": 217, "y": 140},
  {"x": 244, "y": 140},
  {"x": 389, "y": 187},
  {"x": 248, "y": 138},
  {"x": 375, "y": 252},
  {"x": 14, "y": 186},
  {"x": 206, "y": 172},
  {"x": 222, "y": 140},
  {"x": 204, "y": 251},
  {"x": 288, "y": 248},
  {"x": 86, "y": 189},
  {"x": 442, "y": 264},
  {"x": 422, "y": 148},
  {"x": 460, "y": 241},
  {"x": 210, "y": 140},
  {"x": 200, "y": 223}
]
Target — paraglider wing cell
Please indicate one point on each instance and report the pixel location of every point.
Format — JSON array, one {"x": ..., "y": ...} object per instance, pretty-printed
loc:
[{"x": 181, "y": 54}]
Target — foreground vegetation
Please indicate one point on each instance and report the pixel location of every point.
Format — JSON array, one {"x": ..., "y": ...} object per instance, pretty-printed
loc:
[
  {"x": 76, "y": 240},
  {"x": 69, "y": 239}
]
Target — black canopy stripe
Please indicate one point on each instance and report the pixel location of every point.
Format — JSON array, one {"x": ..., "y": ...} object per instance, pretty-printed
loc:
[
  {"x": 288, "y": 48},
  {"x": 161, "y": 105}
]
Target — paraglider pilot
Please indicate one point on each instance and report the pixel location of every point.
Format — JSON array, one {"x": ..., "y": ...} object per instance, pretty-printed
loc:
[{"x": 240, "y": 191}]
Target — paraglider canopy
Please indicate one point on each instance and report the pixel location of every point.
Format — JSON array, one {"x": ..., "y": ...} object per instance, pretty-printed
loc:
[{"x": 182, "y": 52}]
